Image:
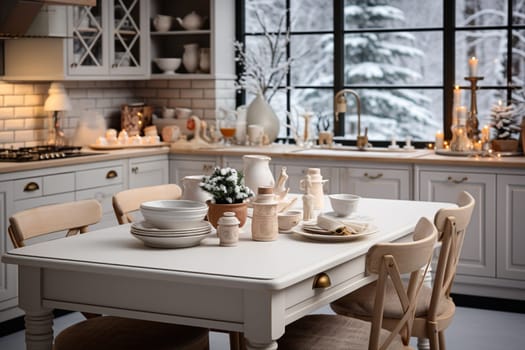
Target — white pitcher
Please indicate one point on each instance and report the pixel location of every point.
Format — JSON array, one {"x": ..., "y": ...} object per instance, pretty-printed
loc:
[
  {"x": 192, "y": 190},
  {"x": 257, "y": 172},
  {"x": 190, "y": 57}
]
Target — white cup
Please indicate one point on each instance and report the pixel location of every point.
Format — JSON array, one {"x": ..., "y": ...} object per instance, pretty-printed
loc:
[
  {"x": 162, "y": 23},
  {"x": 182, "y": 113},
  {"x": 170, "y": 133},
  {"x": 255, "y": 134}
]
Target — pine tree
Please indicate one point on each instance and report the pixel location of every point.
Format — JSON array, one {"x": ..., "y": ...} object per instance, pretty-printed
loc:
[{"x": 383, "y": 59}]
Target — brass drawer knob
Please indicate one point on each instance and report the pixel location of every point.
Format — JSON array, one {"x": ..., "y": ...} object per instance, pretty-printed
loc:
[
  {"x": 111, "y": 174},
  {"x": 31, "y": 186},
  {"x": 322, "y": 280}
]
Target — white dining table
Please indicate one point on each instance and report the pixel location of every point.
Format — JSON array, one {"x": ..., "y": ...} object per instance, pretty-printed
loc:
[{"x": 256, "y": 288}]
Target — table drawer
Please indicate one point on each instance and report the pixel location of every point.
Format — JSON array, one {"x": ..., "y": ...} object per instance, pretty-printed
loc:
[
  {"x": 99, "y": 177},
  {"x": 44, "y": 185}
]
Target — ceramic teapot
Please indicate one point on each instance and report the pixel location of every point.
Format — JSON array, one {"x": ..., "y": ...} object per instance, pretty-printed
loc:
[{"x": 191, "y": 21}]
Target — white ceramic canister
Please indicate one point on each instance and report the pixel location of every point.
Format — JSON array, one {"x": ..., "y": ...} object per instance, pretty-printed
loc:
[
  {"x": 265, "y": 224},
  {"x": 257, "y": 171},
  {"x": 192, "y": 190},
  {"x": 190, "y": 57},
  {"x": 228, "y": 229}
]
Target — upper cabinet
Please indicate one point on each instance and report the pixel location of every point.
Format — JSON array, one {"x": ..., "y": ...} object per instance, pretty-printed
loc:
[{"x": 108, "y": 39}]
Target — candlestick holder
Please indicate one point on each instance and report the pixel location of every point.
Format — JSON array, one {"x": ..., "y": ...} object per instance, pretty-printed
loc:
[{"x": 472, "y": 121}]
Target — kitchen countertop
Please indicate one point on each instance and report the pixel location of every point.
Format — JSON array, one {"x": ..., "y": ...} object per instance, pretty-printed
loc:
[
  {"x": 98, "y": 156},
  {"x": 419, "y": 156}
]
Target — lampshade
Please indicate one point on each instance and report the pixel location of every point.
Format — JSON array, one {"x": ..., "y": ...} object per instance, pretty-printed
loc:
[{"x": 57, "y": 99}]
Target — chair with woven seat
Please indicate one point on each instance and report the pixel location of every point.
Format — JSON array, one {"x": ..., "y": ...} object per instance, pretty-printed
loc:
[
  {"x": 435, "y": 309},
  {"x": 388, "y": 261},
  {"x": 126, "y": 202},
  {"x": 99, "y": 332}
]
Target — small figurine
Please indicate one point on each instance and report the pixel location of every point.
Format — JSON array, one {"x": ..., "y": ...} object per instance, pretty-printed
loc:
[
  {"x": 308, "y": 200},
  {"x": 280, "y": 190}
]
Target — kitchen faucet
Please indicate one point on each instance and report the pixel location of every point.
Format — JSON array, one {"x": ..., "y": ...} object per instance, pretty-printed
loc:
[{"x": 340, "y": 107}]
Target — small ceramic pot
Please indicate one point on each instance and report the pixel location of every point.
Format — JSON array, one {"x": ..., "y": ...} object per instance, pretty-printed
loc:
[{"x": 228, "y": 229}]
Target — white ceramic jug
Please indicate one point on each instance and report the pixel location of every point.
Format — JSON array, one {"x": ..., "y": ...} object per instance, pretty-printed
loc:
[
  {"x": 257, "y": 172},
  {"x": 192, "y": 190},
  {"x": 190, "y": 57}
]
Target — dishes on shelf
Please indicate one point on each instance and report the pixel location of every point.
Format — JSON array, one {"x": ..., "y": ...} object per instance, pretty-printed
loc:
[
  {"x": 192, "y": 21},
  {"x": 168, "y": 65},
  {"x": 162, "y": 23}
]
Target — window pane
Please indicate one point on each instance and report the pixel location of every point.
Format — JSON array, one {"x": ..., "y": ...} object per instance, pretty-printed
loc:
[
  {"x": 518, "y": 57},
  {"x": 400, "y": 58},
  {"x": 396, "y": 113},
  {"x": 518, "y": 12},
  {"x": 490, "y": 47},
  {"x": 269, "y": 11},
  {"x": 315, "y": 60},
  {"x": 312, "y": 15},
  {"x": 393, "y": 14},
  {"x": 317, "y": 101},
  {"x": 485, "y": 100},
  {"x": 481, "y": 13}
]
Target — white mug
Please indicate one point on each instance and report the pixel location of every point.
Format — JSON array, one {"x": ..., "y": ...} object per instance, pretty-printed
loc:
[{"x": 255, "y": 134}]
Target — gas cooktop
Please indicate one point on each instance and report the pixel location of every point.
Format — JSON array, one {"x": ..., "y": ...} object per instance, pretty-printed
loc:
[{"x": 37, "y": 153}]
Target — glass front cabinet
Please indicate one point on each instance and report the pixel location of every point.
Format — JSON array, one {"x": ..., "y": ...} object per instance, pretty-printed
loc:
[{"x": 108, "y": 39}]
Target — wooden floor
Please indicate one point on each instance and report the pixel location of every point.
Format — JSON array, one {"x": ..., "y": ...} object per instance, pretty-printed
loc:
[{"x": 472, "y": 329}]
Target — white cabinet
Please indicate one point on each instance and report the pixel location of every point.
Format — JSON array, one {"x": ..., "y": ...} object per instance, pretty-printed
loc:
[
  {"x": 511, "y": 227},
  {"x": 107, "y": 41},
  {"x": 8, "y": 280},
  {"x": 148, "y": 171},
  {"x": 377, "y": 181},
  {"x": 184, "y": 165}
]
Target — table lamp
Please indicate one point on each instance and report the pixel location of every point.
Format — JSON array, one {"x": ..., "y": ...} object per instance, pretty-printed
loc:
[{"x": 56, "y": 104}]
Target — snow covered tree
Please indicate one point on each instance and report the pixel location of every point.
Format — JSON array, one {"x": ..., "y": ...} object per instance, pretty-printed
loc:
[{"x": 385, "y": 59}]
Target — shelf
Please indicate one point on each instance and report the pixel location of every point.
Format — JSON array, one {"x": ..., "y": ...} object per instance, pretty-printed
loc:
[
  {"x": 175, "y": 76},
  {"x": 182, "y": 32}
]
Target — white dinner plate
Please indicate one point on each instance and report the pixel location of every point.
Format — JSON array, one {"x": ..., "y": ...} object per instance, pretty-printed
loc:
[
  {"x": 170, "y": 241},
  {"x": 333, "y": 238},
  {"x": 144, "y": 227}
]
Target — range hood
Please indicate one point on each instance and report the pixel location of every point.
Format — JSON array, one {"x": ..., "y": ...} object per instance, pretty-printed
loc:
[{"x": 36, "y": 18}]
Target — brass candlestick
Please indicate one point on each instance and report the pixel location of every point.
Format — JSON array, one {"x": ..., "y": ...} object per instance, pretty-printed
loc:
[{"x": 472, "y": 121}]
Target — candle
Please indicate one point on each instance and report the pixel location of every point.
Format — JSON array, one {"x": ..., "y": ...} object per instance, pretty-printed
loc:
[
  {"x": 457, "y": 96},
  {"x": 439, "y": 140},
  {"x": 485, "y": 134},
  {"x": 473, "y": 66},
  {"x": 462, "y": 114}
]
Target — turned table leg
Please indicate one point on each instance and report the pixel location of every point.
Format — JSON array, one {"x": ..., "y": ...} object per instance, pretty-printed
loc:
[{"x": 39, "y": 330}]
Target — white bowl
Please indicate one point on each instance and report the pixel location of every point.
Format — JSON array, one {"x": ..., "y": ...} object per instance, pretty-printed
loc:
[
  {"x": 174, "y": 214},
  {"x": 168, "y": 65},
  {"x": 344, "y": 204}
]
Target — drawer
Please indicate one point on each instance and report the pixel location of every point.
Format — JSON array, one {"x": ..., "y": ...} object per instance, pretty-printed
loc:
[
  {"x": 99, "y": 177},
  {"x": 43, "y": 200},
  {"x": 103, "y": 195},
  {"x": 44, "y": 185}
]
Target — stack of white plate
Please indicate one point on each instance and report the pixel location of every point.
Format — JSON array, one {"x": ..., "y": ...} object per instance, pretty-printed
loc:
[{"x": 172, "y": 224}]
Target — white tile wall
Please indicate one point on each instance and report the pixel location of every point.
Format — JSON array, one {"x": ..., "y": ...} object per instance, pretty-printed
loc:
[{"x": 23, "y": 121}]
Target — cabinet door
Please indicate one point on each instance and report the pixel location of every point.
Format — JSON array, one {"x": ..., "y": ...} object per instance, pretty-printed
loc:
[
  {"x": 376, "y": 182},
  {"x": 181, "y": 168},
  {"x": 8, "y": 280},
  {"x": 478, "y": 255},
  {"x": 511, "y": 226},
  {"x": 148, "y": 172}
]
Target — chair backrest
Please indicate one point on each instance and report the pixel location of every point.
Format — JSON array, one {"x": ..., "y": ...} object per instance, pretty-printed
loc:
[
  {"x": 128, "y": 201},
  {"x": 452, "y": 225},
  {"x": 390, "y": 261},
  {"x": 72, "y": 216}
]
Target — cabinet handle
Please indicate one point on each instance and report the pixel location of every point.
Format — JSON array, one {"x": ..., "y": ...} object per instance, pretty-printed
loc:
[
  {"x": 111, "y": 174},
  {"x": 135, "y": 170},
  {"x": 322, "y": 280},
  {"x": 451, "y": 179},
  {"x": 373, "y": 177},
  {"x": 30, "y": 187}
]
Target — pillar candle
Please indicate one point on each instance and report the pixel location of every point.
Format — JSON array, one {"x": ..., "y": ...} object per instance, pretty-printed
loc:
[
  {"x": 457, "y": 96},
  {"x": 462, "y": 115},
  {"x": 473, "y": 67},
  {"x": 485, "y": 134},
  {"x": 439, "y": 140}
]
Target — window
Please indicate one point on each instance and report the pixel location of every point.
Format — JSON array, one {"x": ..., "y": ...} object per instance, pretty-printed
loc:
[{"x": 403, "y": 57}]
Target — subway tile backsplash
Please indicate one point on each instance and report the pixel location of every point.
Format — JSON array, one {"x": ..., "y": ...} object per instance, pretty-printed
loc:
[{"x": 23, "y": 121}]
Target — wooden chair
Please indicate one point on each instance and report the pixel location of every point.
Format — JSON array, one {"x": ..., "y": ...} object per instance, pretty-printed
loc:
[
  {"x": 389, "y": 261},
  {"x": 435, "y": 309},
  {"x": 99, "y": 332},
  {"x": 128, "y": 201}
]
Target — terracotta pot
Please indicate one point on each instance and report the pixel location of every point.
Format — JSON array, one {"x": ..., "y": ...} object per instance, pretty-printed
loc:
[
  {"x": 505, "y": 145},
  {"x": 215, "y": 212}
]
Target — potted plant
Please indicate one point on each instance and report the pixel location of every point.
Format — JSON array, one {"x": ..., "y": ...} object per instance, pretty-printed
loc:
[
  {"x": 228, "y": 191},
  {"x": 505, "y": 122}
]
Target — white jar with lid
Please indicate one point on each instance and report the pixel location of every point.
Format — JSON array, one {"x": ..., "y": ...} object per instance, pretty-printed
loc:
[
  {"x": 228, "y": 229},
  {"x": 265, "y": 225}
]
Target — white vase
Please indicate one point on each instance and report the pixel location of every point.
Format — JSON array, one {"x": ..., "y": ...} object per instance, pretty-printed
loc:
[
  {"x": 257, "y": 172},
  {"x": 261, "y": 113},
  {"x": 190, "y": 57}
]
